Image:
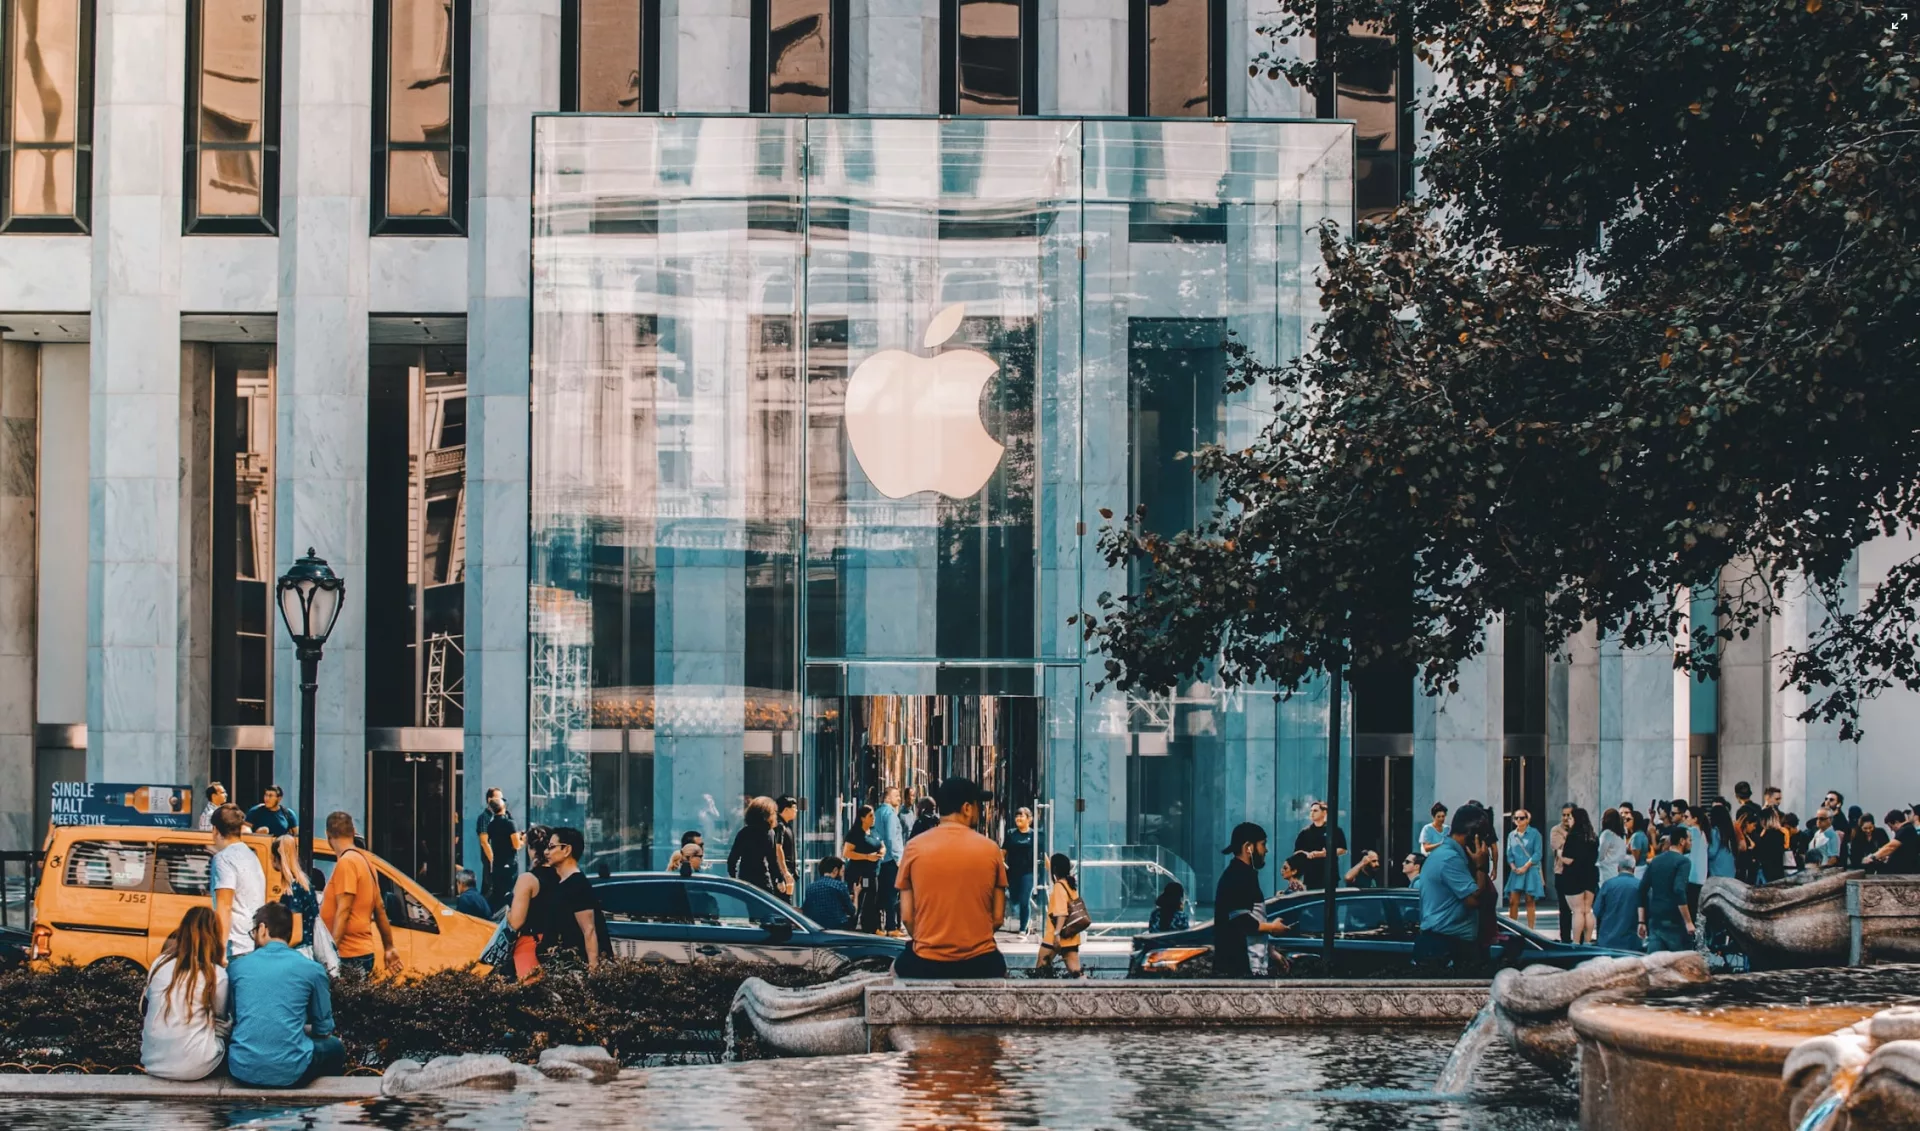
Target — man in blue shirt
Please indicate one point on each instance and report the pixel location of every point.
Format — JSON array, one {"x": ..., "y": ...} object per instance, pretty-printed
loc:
[
  {"x": 1665, "y": 920},
  {"x": 1616, "y": 910},
  {"x": 893, "y": 842},
  {"x": 828, "y": 901},
  {"x": 270, "y": 816},
  {"x": 469, "y": 900},
  {"x": 278, "y": 994},
  {"x": 1450, "y": 893}
]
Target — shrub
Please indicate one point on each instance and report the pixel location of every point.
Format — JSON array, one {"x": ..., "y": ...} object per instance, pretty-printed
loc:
[{"x": 90, "y": 1017}]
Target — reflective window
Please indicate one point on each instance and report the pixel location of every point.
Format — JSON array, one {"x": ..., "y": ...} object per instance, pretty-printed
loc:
[
  {"x": 184, "y": 868},
  {"x": 610, "y": 55},
  {"x": 244, "y": 618},
  {"x": 113, "y": 865},
  {"x": 1369, "y": 87},
  {"x": 233, "y": 116},
  {"x": 989, "y": 56},
  {"x": 800, "y": 52},
  {"x": 723, "y": 908},
  {"x": 416, "y": 536},
  {"x": 421, "y": 122},
  {"x": 1179, "y": 58},
  {"x": 49, "y": 114}
]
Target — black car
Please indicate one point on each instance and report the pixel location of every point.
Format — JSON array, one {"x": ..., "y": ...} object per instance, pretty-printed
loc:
[
  {"x": 665, "y": 918},
  {"x": 1376, "y": 930},
  {"x": 13, "y": 948}
]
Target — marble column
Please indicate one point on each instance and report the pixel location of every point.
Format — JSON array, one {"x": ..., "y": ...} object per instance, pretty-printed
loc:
[
  {"x": 894, "y": 56},
  {"x": 1083, "y": 57},
  {"x": 194, "y": 684},
  {"x": 1573, "y": 722},
  {"x": 516, "y": 68},
  {"x": 705, "y": 49},
  {"x": 19, "y": 451},
  {"x": 1458, "y": 735},
  {"x": 1636, "y": 723},
  {"x": 1763, "y": 740},
  {"x": 60, "y": 690},
  {"x": 320, "y": 469},
  {"x": 134, "y": 451}
]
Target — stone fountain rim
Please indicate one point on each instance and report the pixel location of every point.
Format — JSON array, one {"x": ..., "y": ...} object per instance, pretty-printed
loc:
[{"x": 1623, "y": 1021}]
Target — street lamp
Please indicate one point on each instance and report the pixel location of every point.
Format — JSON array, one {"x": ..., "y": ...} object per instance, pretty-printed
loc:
[{"x": 310, "y": 596}]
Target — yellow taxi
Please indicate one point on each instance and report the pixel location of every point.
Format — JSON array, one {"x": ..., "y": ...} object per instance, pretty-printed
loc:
[{"x": 113, "y": 893}]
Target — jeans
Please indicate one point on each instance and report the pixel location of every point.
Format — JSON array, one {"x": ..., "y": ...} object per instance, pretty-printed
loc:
[
  {"x": 499, "y": 885},
  {"x": 889, "y": 896},
  {"x": 1020, "y": 894},
  {"x": 329, "y": 1059},
  {"x": 363, "y": 963},
  {"x": 1671, "y": 936},
  {"x": 989, "y": 965},
  {"x": 1437, "y": 951}
]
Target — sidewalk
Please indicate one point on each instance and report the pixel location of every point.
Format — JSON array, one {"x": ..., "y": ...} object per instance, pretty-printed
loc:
[{"x": 332, "y": 1089}]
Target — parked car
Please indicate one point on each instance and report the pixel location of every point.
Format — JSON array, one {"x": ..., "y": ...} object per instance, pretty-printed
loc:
[
  {"x": 1376, "y": 931},
  {"x": 114, "y": 893},
  {"x": 661, "y": 917},
  {"x": 13, "y": 948}
]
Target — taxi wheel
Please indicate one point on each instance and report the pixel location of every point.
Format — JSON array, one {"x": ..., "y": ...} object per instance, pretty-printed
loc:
[{"x": 117, "y": 964}]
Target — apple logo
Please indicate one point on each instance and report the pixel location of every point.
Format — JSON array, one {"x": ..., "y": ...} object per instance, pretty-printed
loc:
[{"x": 914, "y": 422}]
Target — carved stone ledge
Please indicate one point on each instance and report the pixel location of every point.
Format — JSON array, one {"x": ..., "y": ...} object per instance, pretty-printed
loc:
[{"x": 1170, "y": 1003}]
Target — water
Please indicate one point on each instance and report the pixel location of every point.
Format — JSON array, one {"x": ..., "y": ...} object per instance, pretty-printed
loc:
[
  {"x": 1457, "y": 1075},
  {"x": 1336, "y": 1079},
  {"x": 1878, "y": 986}
]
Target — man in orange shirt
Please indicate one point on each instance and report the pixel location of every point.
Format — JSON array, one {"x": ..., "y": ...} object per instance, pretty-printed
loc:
[
  {"x": 953, "y": 893},
  {"x": 351, "y": 908}
]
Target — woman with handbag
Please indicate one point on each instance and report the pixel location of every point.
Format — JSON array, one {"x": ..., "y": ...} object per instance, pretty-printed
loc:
[
  {"x": 528, "y": 910},
  {"x": 1067, "y": 918}
]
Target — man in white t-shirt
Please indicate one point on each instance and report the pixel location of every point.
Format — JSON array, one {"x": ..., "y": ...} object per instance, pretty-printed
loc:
[{"x": 239, "y": 883}]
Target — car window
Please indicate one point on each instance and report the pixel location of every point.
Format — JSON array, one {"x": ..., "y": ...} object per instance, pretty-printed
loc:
[
  {"x": 719, "y": 907},
  {"x": 109, "y": 865},
  {"x": 404, "y": 911},
  {"x": 1305, "y": 918},
  {"x": 183, "y": 868},
  {"x": 645, "y": 903},
  {"x": 1364, "y": 919}
]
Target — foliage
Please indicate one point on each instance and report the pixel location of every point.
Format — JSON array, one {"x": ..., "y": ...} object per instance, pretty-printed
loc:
[
  {"x": 91, "y": 1016},
  {"x": 1654, "y": 323}
]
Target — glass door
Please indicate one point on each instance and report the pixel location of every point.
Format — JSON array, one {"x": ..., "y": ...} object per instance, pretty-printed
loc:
[{"x": 410, "y": 815}]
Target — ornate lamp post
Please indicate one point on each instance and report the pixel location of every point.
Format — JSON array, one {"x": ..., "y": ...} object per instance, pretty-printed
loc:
[{"x": 310, "y": 596}]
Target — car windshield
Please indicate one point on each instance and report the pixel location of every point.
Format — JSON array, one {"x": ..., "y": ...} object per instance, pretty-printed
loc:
[{"x": 725, "y": 904}]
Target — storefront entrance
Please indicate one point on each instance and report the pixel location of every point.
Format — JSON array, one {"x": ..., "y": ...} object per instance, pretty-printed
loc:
[{"x": 410, "y": 813}]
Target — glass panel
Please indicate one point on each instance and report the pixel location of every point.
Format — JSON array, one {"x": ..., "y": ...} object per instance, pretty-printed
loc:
[
  {"x": 417, "y": 183},
  {"x": 645, "y": 902},
  {"x": 799, "y": 56},
  {"x": 45, "y": 66},
  {"x": 243, "y": 614},
  {"x": 1367, "y": 89},
  {"x": 609, "y": 77},
  {"x": 720, "y": 908},
  {"x": 229, "y": 182},
  {"x": 42, "y": 182},
  {"x": 420, "y": 72},
  {"x": 1178, "y": 36},
  {"x": 185, "y": 869},
  {"x": 232, "y": 69},
  {"x": 113, "y": 865},
  {"x": 990, "y": 62}
]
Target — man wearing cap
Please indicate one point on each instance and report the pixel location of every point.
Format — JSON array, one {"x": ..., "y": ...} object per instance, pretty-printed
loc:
[
  {"x": 1234, "y": 899},
  {"x": 1450, "y": 890},
  {"x": 953, "y": 892}
]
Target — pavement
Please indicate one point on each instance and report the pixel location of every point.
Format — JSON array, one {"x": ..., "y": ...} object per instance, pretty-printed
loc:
[{"x": 332, "y": 1089}]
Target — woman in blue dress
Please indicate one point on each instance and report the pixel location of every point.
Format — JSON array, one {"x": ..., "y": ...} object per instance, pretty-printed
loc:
[
  {"x": 1523, "y": 866},
  {"x": 1432, "y": 834}
]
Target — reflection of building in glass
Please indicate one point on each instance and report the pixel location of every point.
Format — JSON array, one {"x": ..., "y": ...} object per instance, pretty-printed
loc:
[
  {"x": 227, "y": 138},
  {"x": 48, "y": 119}
]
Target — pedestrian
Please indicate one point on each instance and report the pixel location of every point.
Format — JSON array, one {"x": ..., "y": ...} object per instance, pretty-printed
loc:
[
  {"x": 1823, "y": 845},
  {"x": 270, "y": 817},
  {"x": 502, "y": 845},
  {"x": 691, "y": 856},
  {"x": 1580, "y": 855},
  {"x": 1060, "y": 935},
  {"x": 298, "y": 898},
  {"x": 863, "y": 851},
  {"x": 1017, "y": 848},
  {"x": 1633, "y": 825},
  {"x": 574, "y": 929},
  {"x": 1770, "y": 848},
  {"x": 755, "y": 855},
  {"x": 282, "y": 1011},
  {"x": 216, "y": 797},
  {"x": 953, "y": 892},
  {"x": 1723, "y": 842},
  {"x": 1323, "y": 845},
  {"x": 1451, "y": 891},
  {"x": 828, "y": 902},
  {"x": 1435, "y": 831},
  {"x": 1524, "y": 856},
  {"x": 1556, "y": 841},
  {"x": 467, "y": 899},
  {"x": 1240, "y": 923},
  {"x": 1867, "y": 839},
  {"x": 1170, "y": 909},
  {"x": 352, "y": 908},
  {"x": 1292, "y": 872},
  {"x": 1616, "y": 913},
  {"x": 1613, "y": 843},
  {"x": 531, "y": 891},
  {"x": 1365, "y": 872},
  {"x": 1411, "y": 868},
  {"x": 926, "y": 819},
  {"x": 1900, "y": 856},
  {"x": 239, "y": 883},
  {"x": 182, "y": 1036},
  {"x": 1694, "y": 820},
  {"x": 1665, "y": 921},
  {"x": 893, "y": 842},
  {"x": 786, "y": 812}
]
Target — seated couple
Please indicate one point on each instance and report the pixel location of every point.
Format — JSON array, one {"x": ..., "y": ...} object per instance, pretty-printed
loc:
[{"x": 268, "y": 1016}]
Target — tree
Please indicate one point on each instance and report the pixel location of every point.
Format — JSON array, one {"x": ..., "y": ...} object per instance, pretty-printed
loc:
[{"x": 1652, "y": 324}]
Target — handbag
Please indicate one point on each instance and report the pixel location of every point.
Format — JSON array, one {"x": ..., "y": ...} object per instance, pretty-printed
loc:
[
  {"x": 1077, "y": 920},
  {"x": 323, "y": 949}
]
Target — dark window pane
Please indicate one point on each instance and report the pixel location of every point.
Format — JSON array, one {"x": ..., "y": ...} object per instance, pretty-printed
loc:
[
  {"x": 1367, "y": 90},
  {"x": 1177, "y": 38},
  {"x": 609, "y": 77},
  {"x": 990, "y": 56},
  {"x": 799, "y": 56},
  {"x": 243, "y": 618},
  {"x": 232, "y": 69}
]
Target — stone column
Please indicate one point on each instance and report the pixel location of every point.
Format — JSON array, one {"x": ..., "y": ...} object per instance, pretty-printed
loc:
[
  {"x": 1457, "y": 736},
  {"x": 194, "y": 683},
  {"x": 1083, "y": 57},
  {"x": 1575, "y": 712},
  {"x": 894, "y": 57},
  {"x": 19, "y": 449},
  {"x": 60, "y": 672},
  {"x": 516, "y": 66},
  {"x": 705, "y": 49},
  {"x": 1636, "y": 723},
  {"x": 320, "y": 465},
  {"x": 133, "y": 457}
]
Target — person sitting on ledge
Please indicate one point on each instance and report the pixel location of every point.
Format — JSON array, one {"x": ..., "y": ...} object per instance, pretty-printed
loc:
[
  {"x": 282, "y": 1011},
  {"x": 470, "y": 900},
  {"x": 828, "y": 902},
  {"x": 953, "y": 892}
]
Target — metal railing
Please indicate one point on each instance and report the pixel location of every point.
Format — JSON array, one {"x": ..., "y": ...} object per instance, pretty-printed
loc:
[{"x": 16, "y": 891}]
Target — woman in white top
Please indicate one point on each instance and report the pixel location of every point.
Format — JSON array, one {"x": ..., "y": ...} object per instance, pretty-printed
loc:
[
  {"x": 1615, "y": 855},
  {"x": 184, "y": 1036}
]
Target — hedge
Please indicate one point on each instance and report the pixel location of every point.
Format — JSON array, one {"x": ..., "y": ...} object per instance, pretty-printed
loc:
[{"x": 89, "y": 1018}]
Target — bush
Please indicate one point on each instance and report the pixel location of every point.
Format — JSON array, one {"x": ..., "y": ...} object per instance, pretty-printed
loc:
[{"x": 90, "y": 1017}]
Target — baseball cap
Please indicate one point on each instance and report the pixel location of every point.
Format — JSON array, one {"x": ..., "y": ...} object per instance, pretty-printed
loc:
[
  {"x": 957, "y": 791},
  {"x": 1244, "y": 833}
]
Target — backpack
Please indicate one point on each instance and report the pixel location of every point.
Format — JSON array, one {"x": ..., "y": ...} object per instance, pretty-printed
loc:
[{"x": 1077, "y": 920}]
